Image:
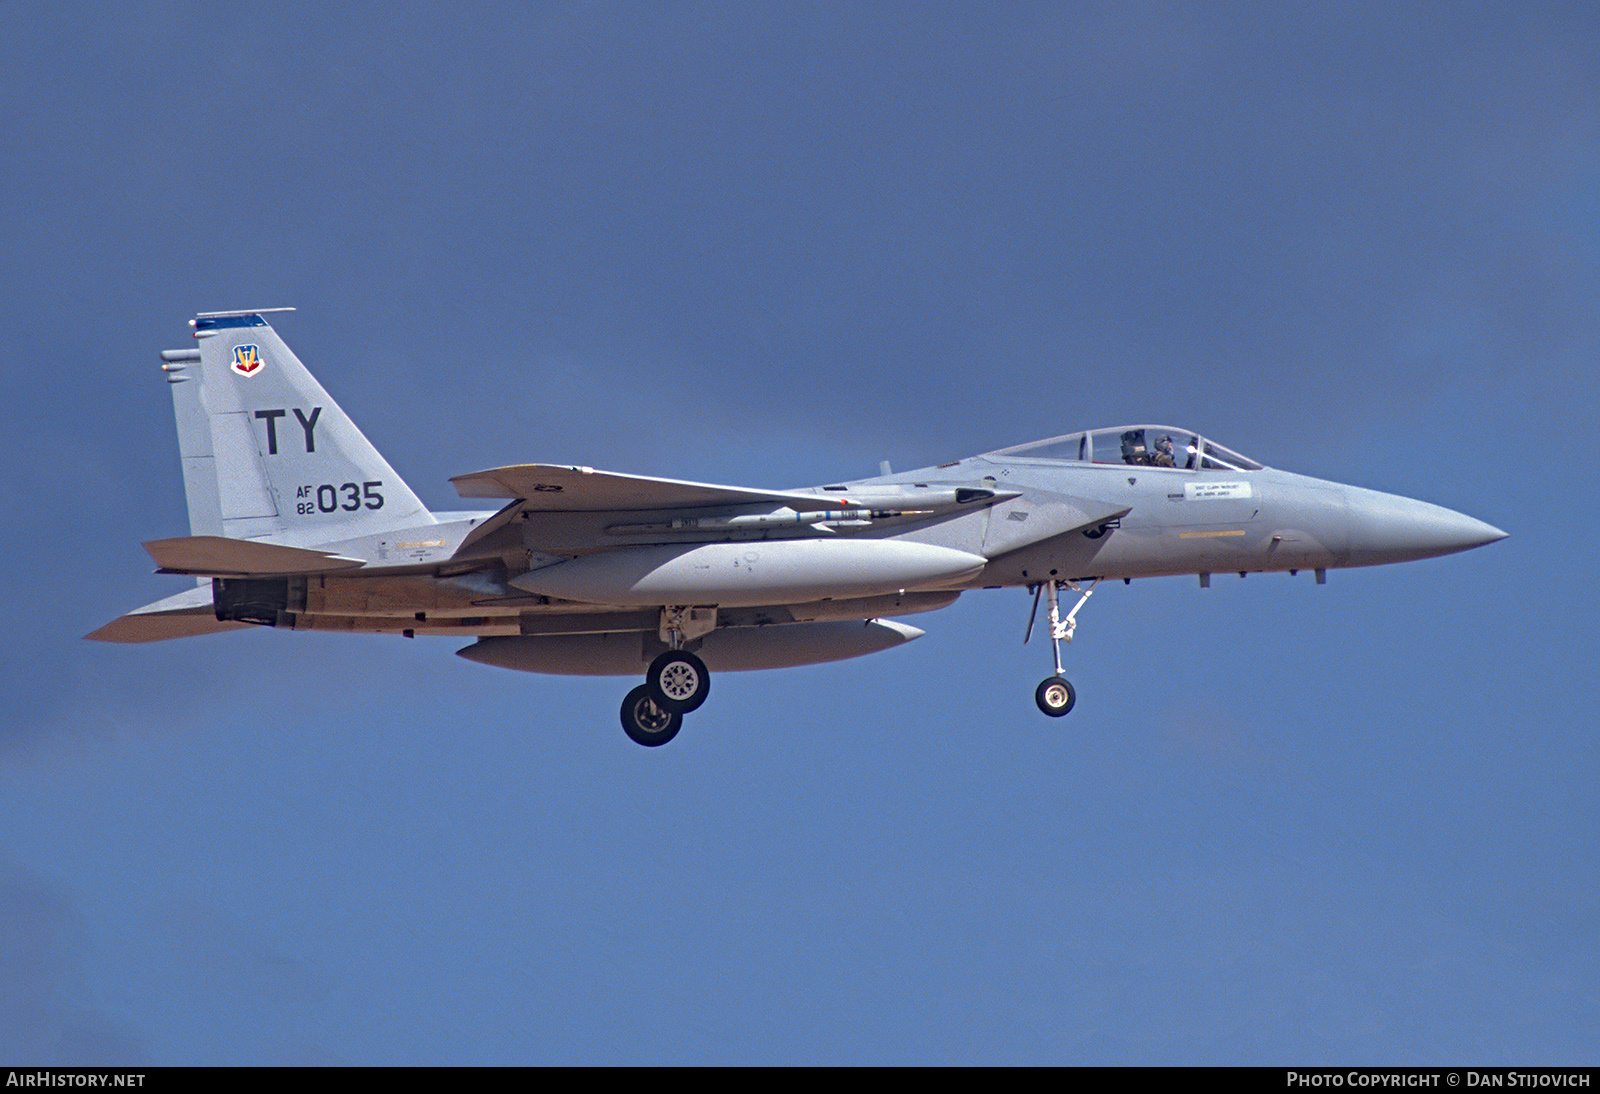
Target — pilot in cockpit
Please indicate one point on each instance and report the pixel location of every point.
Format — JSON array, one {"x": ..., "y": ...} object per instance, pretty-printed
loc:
[
  {"x": 1133, "y": 449},
  {"x": 1163, "y": 456}
]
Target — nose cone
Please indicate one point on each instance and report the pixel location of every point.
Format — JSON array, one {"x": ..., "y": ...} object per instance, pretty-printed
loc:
[{"x": 1389, "y": 528}]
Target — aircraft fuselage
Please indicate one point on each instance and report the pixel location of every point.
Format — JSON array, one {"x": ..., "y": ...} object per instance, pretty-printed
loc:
[
  {"x": 301, "y": 524},
  {"x": 1177, "y": 522}
]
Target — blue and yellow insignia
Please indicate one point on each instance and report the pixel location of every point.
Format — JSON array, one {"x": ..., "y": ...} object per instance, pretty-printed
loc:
[{"x": 247, "y": 360}]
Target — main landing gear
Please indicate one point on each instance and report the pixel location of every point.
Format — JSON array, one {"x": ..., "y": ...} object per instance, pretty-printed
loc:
[
  {"x": 676, "y": 683},
  {"x": 1054, "y": 694}
]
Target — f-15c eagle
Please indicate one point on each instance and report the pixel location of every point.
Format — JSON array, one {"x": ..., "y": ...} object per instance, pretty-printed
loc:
[{"x": 297, "y": 522}]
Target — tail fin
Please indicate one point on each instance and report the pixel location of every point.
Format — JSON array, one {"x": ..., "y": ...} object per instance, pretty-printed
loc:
[{"x": 266, "y": 453}]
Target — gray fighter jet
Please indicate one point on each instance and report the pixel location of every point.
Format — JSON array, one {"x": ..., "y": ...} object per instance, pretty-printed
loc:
[{"x": 297, "y": 522}]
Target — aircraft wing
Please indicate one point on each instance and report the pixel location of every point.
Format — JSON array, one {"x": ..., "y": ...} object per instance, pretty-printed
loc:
[{"x": 583, "y": 489}]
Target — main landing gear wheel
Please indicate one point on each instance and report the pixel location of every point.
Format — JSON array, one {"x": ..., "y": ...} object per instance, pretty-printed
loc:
[
  {"x": 678, "y": 681},
  {"x": 646, "y": 723},
  {"x": 1055, "y": 696}
]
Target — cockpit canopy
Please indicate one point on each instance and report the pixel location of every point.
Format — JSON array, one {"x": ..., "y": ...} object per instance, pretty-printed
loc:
[{"x": 1137, "y": 446}]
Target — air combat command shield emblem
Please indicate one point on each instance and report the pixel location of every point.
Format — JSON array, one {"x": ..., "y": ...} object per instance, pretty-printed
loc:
[{"x": 247, "y": 360}]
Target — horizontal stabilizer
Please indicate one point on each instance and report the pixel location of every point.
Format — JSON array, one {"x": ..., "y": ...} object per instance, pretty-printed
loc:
[
  {"x": 583, "y": 489},
  {"x": 188, "y": 614},
  {"x": 218, "y": 556}
]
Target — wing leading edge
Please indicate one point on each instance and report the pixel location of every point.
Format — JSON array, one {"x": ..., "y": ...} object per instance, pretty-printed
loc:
[{"x": 583, "y": 489}]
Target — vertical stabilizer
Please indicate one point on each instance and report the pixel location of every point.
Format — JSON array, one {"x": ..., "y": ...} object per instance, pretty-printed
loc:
[
  {"x": 182, "y": 367},
  {"x": 266, "y": 453}
]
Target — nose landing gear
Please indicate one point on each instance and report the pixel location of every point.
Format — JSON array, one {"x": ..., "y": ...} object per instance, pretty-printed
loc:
[{"x": 1054, "y": 695}]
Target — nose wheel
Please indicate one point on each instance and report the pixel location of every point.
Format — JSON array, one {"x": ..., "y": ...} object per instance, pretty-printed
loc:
[{"x": 1054, "y": 695}]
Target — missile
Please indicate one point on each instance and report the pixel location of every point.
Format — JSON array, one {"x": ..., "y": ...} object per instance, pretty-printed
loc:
[
  {"x": 734, "y": 649},
  {"x": 871, "y": 502},
  {"x": 782, "y": 518}
]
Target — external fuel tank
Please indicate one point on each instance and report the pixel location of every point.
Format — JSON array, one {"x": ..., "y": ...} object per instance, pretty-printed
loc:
[{"x": 786, "y": 571}]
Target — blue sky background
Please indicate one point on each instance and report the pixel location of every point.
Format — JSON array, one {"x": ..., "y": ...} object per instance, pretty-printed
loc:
[{"x": 773, "y": 245}]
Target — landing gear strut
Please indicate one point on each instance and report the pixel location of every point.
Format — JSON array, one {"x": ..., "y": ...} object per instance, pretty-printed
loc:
[{"x": 1054, "y": 695}]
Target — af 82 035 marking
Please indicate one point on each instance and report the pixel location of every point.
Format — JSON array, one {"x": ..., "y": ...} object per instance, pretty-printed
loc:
[{"x": 328, "y": 497}]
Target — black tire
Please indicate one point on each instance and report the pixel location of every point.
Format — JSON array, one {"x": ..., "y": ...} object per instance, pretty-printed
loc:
[
  {"x": 678, "y": 681},
  {"x": 1055, "y": 696},
  {"x": 646, "y": 723}
]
